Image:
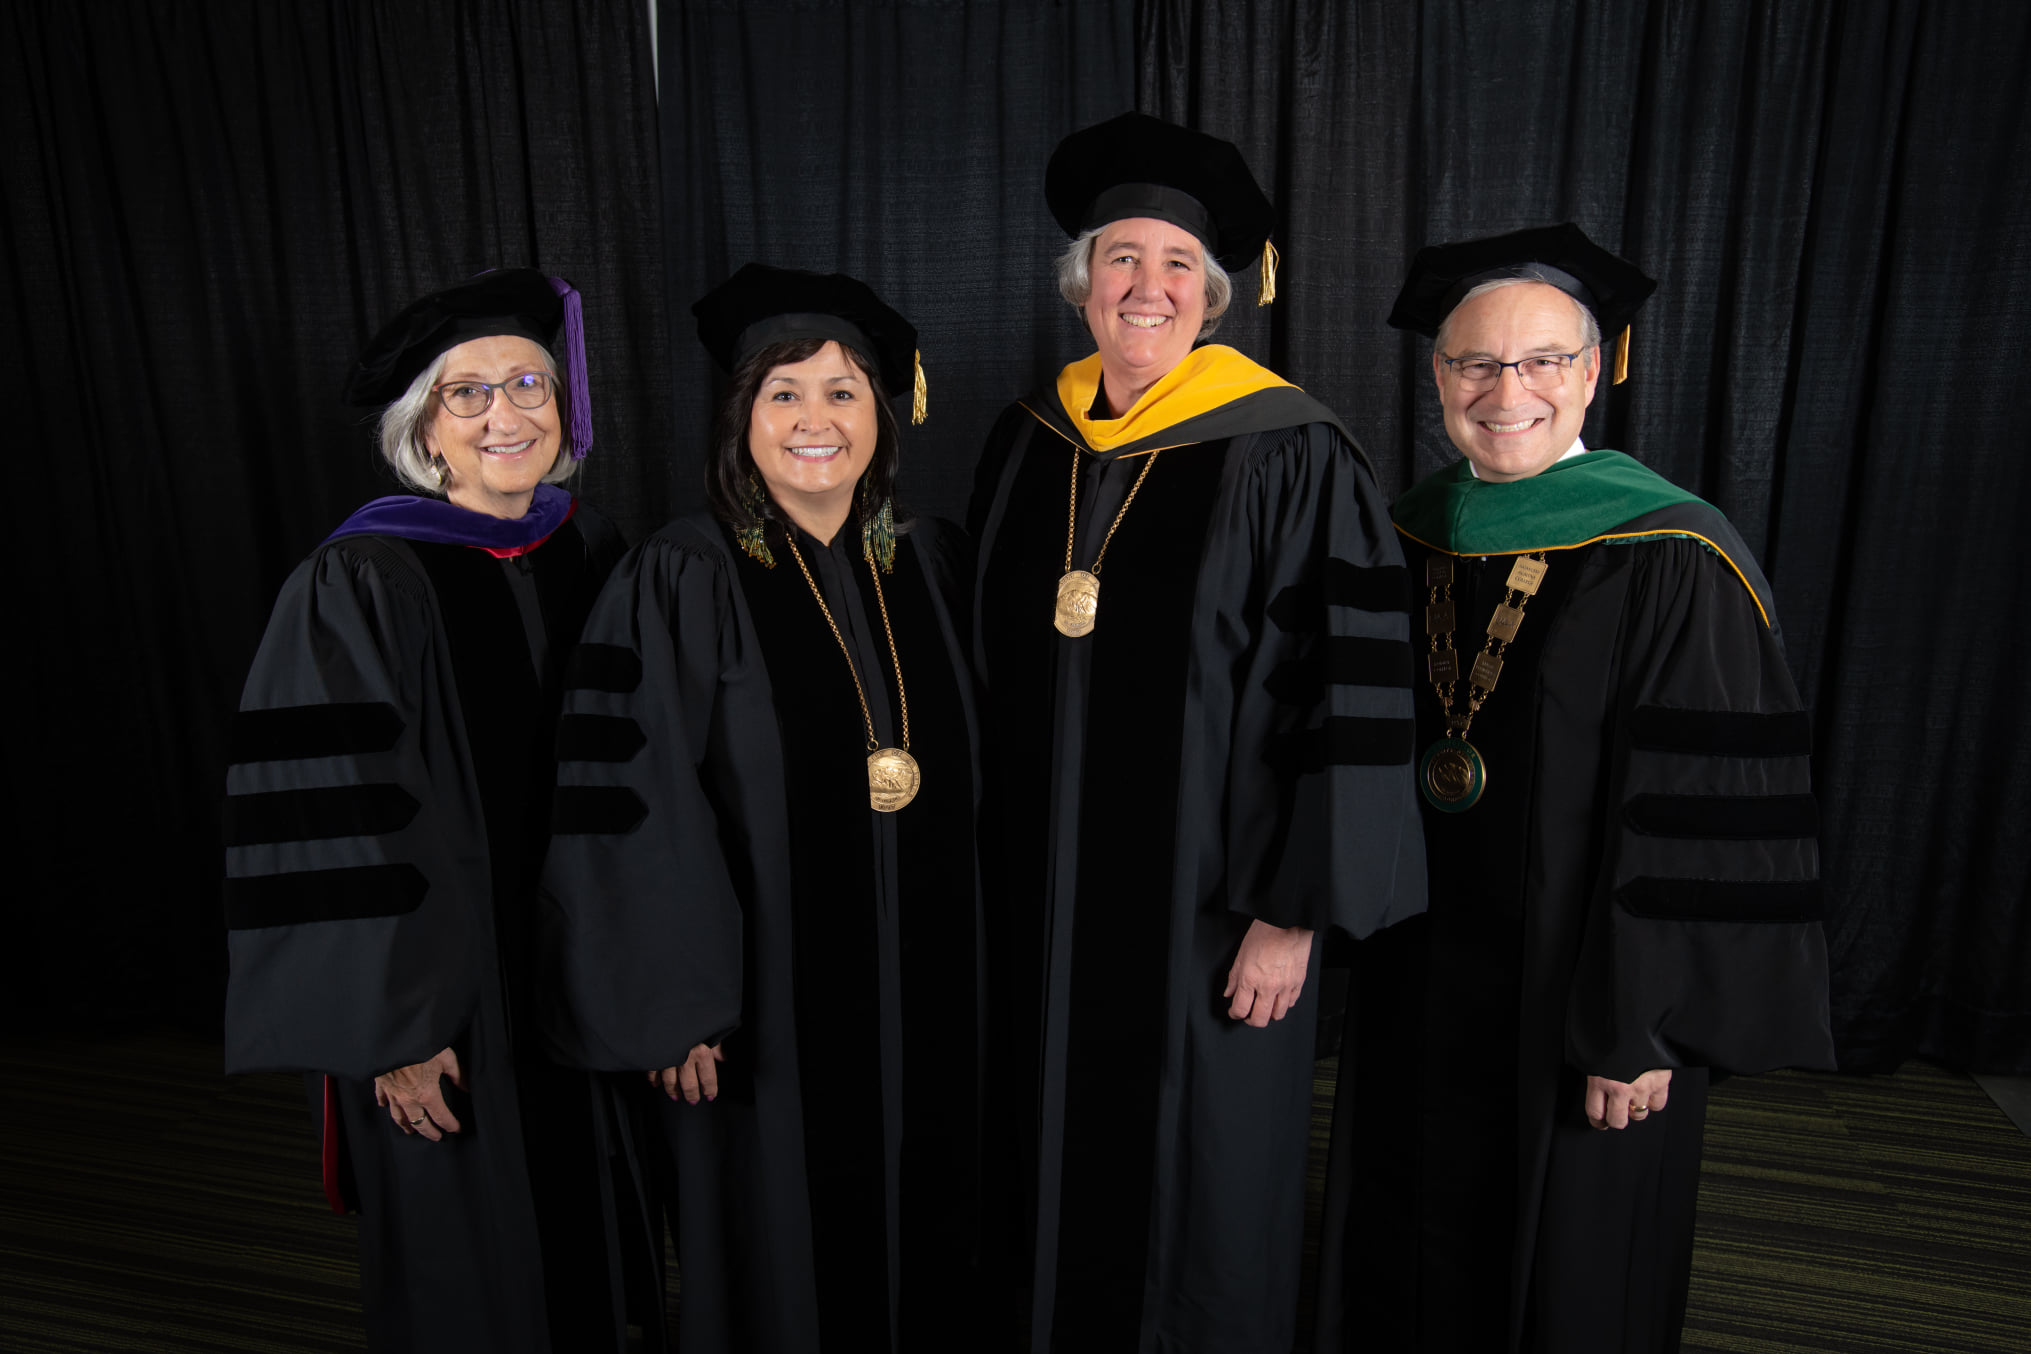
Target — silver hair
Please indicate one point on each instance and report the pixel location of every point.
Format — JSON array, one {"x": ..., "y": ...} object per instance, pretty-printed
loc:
[
  {"x": 402, "y": 424},
  {"x": 1590, "y": 328},
  {"x": 1075, "y": 278}
]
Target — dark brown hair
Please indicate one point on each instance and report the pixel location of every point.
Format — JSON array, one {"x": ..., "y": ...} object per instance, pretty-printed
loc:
[{"x": 732, "y": 463}]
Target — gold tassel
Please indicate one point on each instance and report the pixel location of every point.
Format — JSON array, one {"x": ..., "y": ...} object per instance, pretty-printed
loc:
[
  {"x": 1622, "y": 357},
  {"x": 1265, "y": 292},
  {"x": 920, "y": 396}
]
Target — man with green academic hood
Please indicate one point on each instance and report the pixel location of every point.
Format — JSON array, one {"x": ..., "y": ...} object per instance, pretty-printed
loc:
[{"x": 1621, "y": 840}]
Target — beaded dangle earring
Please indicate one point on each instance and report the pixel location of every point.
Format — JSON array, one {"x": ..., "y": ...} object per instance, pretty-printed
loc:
[
  {"x": 749, "y": 537},
  {"x": 878, "y": 533}
]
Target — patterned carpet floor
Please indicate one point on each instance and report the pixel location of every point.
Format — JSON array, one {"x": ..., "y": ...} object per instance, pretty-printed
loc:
[
  {"x": 1867, "y": 1215},
  {"x": 148, "y": 1203}
]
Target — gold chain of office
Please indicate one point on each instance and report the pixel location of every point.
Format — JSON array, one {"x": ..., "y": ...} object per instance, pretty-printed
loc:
[{"x": 1453, "y": 774}]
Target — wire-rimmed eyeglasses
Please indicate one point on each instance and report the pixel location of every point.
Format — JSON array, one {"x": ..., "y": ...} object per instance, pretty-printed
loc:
[
  {"x": 470, "y": 399},
  {"x": 1539, "y": 371}
]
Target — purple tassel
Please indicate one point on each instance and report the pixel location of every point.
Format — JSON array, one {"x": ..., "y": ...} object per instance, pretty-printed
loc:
[{"x": 575, "y": 378}]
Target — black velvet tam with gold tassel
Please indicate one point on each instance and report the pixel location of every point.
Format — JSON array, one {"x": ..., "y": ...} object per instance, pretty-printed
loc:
[{"x": 1562, "y": 256}]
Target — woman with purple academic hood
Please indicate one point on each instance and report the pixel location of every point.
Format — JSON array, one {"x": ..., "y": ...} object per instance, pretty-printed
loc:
[{"x": 386, "y": 815}]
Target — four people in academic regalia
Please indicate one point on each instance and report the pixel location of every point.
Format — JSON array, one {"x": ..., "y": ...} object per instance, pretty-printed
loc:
[
  {"x": 1172, "y": 717},
  {"x": 1192, "y": 639},
  {"x": 1624, "y": 880},
  {"x": 385, "y": 819},
  {"x": 764, "y": 879}
]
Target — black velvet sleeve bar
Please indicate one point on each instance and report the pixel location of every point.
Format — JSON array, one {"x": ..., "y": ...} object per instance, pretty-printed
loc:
[
  {"x": 1304, "y": 602},
  {"x": 1703, "y": 945},
  {"x": 357, "y": 853},
  {"x": 643, "y": 923}
]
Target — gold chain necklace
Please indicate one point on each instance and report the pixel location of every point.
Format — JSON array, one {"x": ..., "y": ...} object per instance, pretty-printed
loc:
[
  {"x": 893, "y": 778},
  {"x": 1078, "y": 609},
  {"x": 1452, "y": 774}
]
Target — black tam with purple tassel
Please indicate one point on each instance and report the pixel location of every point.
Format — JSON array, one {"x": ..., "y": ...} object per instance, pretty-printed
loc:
[{"x": 520, "y": 301}]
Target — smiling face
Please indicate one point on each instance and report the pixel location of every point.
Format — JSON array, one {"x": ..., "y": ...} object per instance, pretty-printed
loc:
[
  {"x": 812, "y": 432},
  {"x": 1147, "y": 304},
  {"x": 1510, "y": 433},
  {"x": 495, "y": 459}
]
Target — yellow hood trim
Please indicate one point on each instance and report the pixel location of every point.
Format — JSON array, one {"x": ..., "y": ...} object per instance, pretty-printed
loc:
[{"x": 1208, "y": 378}]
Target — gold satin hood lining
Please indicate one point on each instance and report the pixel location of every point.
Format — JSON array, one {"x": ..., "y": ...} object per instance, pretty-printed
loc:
[{"x": 1209, "y": 378}]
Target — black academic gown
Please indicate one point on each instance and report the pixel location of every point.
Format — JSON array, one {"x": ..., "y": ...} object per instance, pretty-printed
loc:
[
  {"x": 1637, "y": 888},
  {"x": 1230, "y": 743},
  {"x": 718, "y": 874},
  {"x": 385, "y": 824}
]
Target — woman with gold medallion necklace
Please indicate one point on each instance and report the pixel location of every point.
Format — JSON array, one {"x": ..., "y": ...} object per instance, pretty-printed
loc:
[
  {"x": 1193, "y": 640},
  {"x": 764, "y": 881}
]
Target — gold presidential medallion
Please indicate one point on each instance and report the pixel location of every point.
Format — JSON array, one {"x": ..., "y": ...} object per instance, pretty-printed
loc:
[
  {"x": 892, "y": 779},
  {"x": 1078, "y": 608},
  {"x": 1078, "y": 604}
]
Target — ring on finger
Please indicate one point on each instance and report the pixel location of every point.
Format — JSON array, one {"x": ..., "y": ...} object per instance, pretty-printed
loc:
[{"x": 414, "y": 1122}]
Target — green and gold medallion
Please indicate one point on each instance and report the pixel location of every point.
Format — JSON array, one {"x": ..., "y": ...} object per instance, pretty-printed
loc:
[{"x": 1452, "y": 775}]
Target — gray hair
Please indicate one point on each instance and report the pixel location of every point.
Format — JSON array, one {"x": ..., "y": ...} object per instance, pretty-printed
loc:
[
  {"x": 1590, "y": 328},
  {"x": 403, "y": 422},
  {"x": 1075, "y": 278}
]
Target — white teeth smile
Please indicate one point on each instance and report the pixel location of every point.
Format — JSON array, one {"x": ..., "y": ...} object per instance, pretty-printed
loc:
[
  {"x": 1146, "y": 321},
  {"x": 1508, "y": 427},
  {"x": 813, "y": 453},
  {"x": 511, "y": 449}
]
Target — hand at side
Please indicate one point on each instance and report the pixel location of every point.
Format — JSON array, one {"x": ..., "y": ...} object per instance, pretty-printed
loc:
[
  {"x": 1617, "y": 1104},
  {"x": 697, "y": 1075},
  {"x": 1269, "y": 973},
  {"x": 414, "y": 1096}
]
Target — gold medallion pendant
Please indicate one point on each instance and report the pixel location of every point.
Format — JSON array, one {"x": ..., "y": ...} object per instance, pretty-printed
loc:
[
  {"x": 1078, "y": 609},
  {"x": 1452, "y": 775},
  {"x": 1078, "y": 604},
  {"x": 892, "y": 779}
]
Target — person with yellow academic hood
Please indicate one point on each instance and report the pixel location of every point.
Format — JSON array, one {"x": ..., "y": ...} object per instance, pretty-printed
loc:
[
  {"x": 1192, "y": 634},
  {"x": 1624, "y": 874}
]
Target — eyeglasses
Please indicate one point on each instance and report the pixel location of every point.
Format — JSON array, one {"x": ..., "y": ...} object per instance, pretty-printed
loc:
[
  {"x": 470, "y": 399},
  {"x": 1540, "y": 372}
]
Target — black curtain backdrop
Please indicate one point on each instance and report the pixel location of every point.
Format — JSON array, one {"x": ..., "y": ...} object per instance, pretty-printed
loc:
[
  {"x": 1830, "y": 195},
  {"x": 1825, "y": 190},
  {"x": 208, "y": 208},
  {"x": 901, "y": 141}
]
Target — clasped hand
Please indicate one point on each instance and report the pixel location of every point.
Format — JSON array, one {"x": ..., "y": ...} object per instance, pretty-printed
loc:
[
  {"x": 697, "y": 1075},
  {"x": 1269, "y": 973},
  {"x": 414, "y": 1096},
  {"x": 1617, "y": 1104}
]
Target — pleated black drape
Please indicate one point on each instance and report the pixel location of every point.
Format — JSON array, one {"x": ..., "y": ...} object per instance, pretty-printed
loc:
[
  {"x": 205, "y": 208},
  {"x": 1829, "y": 194},
  {"x": 208, "y": 207},
  {"x": 901, "y": 141}
]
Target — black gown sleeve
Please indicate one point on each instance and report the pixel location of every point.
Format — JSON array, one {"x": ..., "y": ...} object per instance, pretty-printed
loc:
[
  {"x": 1314, "y": 807},
  {"x": 987, "y": 471},
  {"x": 1703, "y": 945},
  {"x": 642, "y": 920},
  {"x": 356, "y": 851},
  {"x": 948, "y": 560}
]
